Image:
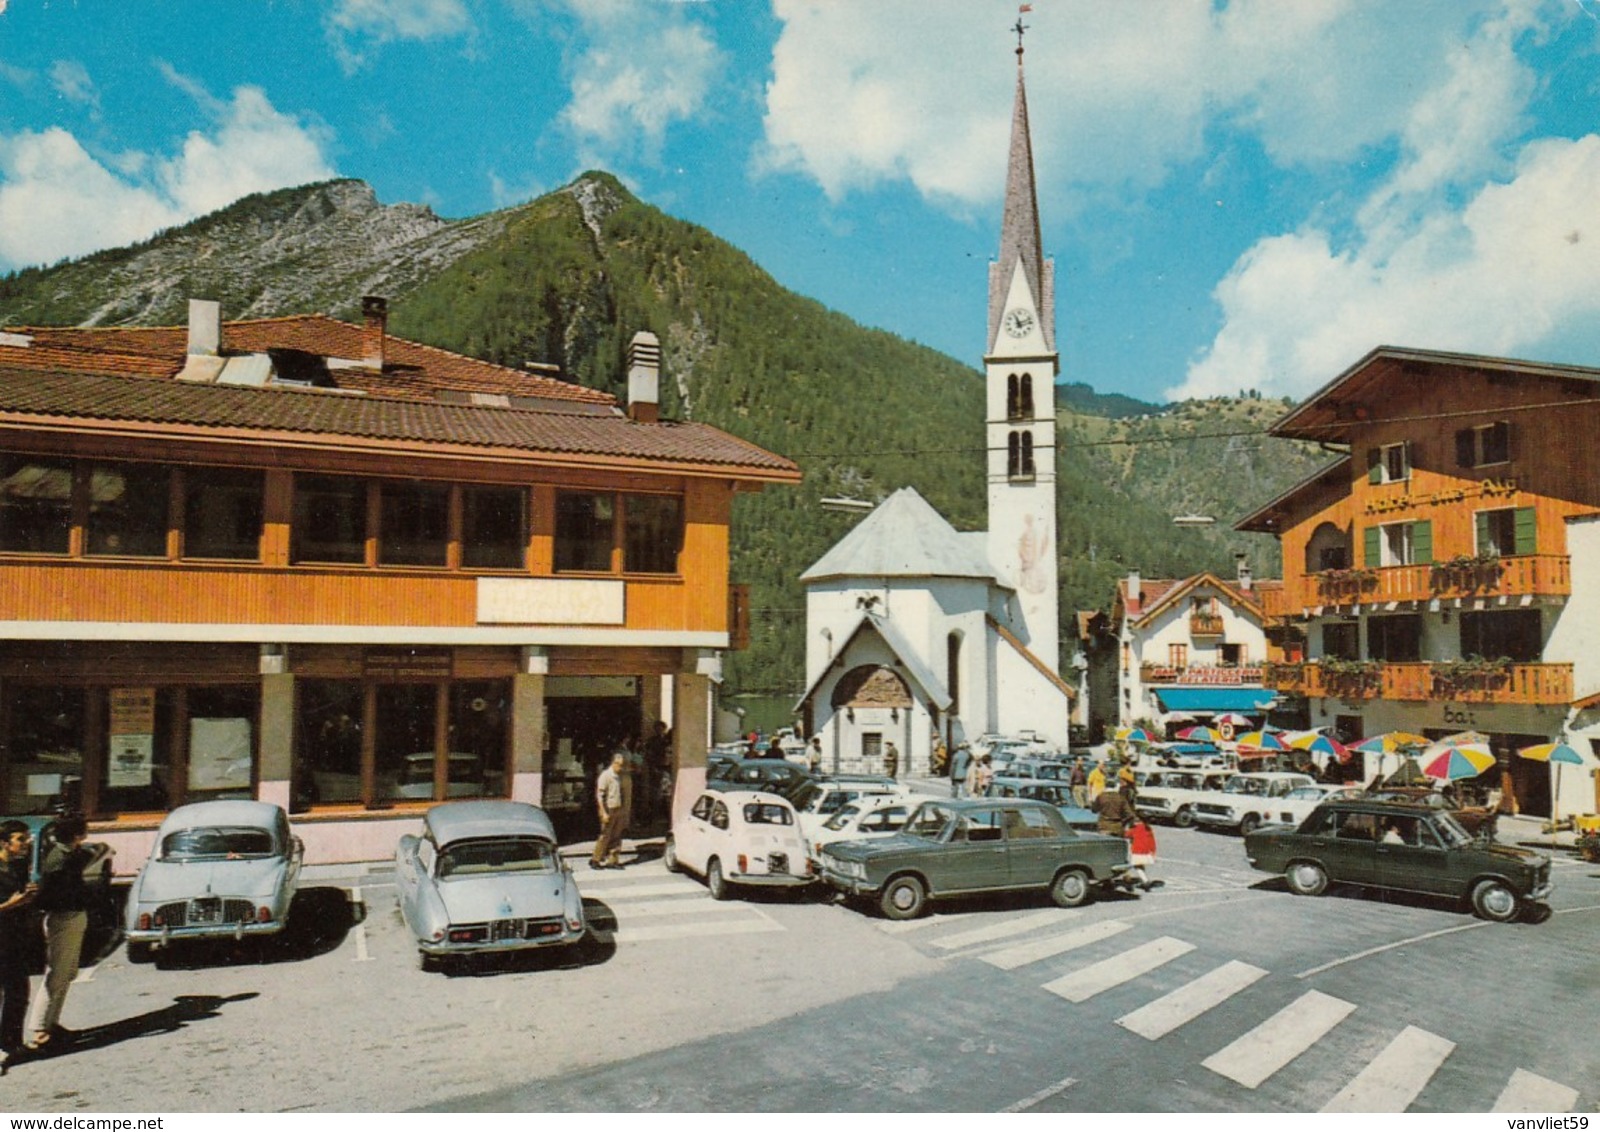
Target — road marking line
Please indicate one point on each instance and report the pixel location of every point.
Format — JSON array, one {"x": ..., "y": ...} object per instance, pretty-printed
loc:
[
  {"x": 895, "y": 927},
  {"x": 1090, "y": 981},
  {"x": 361, "y": 929},
  {"x": 1010, "y": 958},
  {"x": 1529, "y": 1092},
  {"x": 1392, "y": 1080},
  {"x": 1381, "y": 948},
  {"x": 1258, "y": 1054},
  {"x": 1164, "y": 1015},
  {"x": 1004, "y": 928},
  {"x": 664, "y": 907},
  {"x": 1042, "y": 1095},
  {"x": 678, "y": 888},
  {"x": 699, "y": 928}
]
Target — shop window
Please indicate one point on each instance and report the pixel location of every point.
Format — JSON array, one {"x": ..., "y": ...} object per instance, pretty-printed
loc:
[
  {"x": 585, "y": 531},
  {"x": 1516, "y": 634},
  {"x": 1396, "y": 639},
  {"x": 128, "y": 510},
  {"x": 414, "y": 524},
  {"x": 221, "y": 750},
  {"x": 403, "y": 741},
  {"x": 44, "y": 744},
  {"x": 136, "y": 775},
  {"x": 1341, "y": 640},
  {"x": 329, "y": 717},
  {"x": 35, "y": 506},
  {"x": 652, "y": 533},
  {"x": 494, "y": 528},
  {"x": 222, "y": 512},
  {"x": 480, "y": 716},
  {"x": 330, "y": 519}
]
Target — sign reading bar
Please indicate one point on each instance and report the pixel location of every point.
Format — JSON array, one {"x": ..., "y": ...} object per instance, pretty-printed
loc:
[{"x": 408, "y": 664}]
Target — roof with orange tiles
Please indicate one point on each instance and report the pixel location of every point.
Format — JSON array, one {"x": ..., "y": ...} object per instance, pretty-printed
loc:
[
  {"x": 1157, "y": 593},
  {"x": 410, "y": 370},
  {"x": 168, "y": 409}
]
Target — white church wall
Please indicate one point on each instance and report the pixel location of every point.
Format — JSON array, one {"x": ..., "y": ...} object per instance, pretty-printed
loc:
[{"x": 1028, "y": 701}]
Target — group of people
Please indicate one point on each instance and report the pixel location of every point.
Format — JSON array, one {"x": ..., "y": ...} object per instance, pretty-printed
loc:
[
  {"x": 634, "y": 784},
  {"x": 55, "y": 903}
]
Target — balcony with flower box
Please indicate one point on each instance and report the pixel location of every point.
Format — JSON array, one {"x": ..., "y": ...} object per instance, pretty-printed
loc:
[
  {"x": 1454, "y": 579},
  {"x": 1205, "y": 624},
  {"x": 1466, "y": 681}
]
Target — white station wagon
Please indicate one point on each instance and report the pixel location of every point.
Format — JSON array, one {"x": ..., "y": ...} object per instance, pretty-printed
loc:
[{"x": 740, "y": 837}]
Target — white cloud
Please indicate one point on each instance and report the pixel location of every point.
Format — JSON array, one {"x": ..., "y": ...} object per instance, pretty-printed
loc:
[
  {"x": 1119, "y": 94},
  {"x": 355, "y": 27},
  {"x": 640, "y": 69},
  {"x": 1469, "y": 244},
  {"x": 72, "y": 82},
  {"x": 57, "y": 200}
]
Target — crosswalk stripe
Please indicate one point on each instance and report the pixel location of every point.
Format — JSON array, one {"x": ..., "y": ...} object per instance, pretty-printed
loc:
[
  {"x": 682, "y": 906},
  {"x": 895, "y": 927},
  {"x": 1010, "y": 958},
  {"x": 1392, "y": 1080},
  {"x": 698, "y": 928},
  {"x": 1529, "y": 1092},
  {"x": 1258, "y": 1054},
  {"x": 1164, "y": 1015},
  {"x": 632, "y": 891},
  {"x": 1086, "y": 983},
  {"x": 994, "y": 931}
]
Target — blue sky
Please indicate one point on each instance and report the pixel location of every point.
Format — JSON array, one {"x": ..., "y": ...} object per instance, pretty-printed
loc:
[{"x": 1245, "y": 194}]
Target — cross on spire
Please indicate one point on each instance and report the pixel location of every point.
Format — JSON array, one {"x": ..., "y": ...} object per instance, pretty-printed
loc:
[{"x": 1019, "y": 27}]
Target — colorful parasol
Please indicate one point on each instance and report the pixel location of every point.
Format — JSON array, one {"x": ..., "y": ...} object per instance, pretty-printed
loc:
[
  {"x": 1452, "y": 762},
  {"x": 1200, "y": 735},
  {"x": 1556, "y": 754},
  {"x": 1233, "y": 719},
  {"x": 1132, "y": 735},
  {"x": 1390, "y": 742},
  {"x": 1261, "y": 741},
  {"x": 1325, "y": 745}
]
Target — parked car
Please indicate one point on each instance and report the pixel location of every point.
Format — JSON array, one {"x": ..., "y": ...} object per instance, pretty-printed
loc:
[
  {"x": 740, "y": 837},
  {"x": 1295, "y": 806},
  {"x": 777, "y": 776},
  {"x": 1175, "y": 798},
  {"x": 218, "y": 870},
  {"x": 820, "y": 798},
  {"x": 1247, "y": 801},
  {"x": 1479, "y": 821},
  {"x": 104, "y": 933},
  {"x": 868, "y": 818},
  {"x": 951, "y": 848},
  {"x": 1190, "y": 755},
  {"x": 1032, "y": 769},
  {"x": 1403, "y": 847},
  {"x": 486, "y": 877},
  {"x": 1057, "y": 794}
]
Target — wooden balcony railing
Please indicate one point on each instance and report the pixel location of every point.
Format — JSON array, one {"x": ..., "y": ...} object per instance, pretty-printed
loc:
[
  {"x": 1514, "y": 576},
  {"x": 1205, "y": 624},
  {"x": 1544, "y": 684}
]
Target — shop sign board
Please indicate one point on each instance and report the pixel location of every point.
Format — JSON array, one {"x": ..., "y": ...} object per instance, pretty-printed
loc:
[
  {"x": 132, "y": 737},
  {"x": 408, "y": 664}
]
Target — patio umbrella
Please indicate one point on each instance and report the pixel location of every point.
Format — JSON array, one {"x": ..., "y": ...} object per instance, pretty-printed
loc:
[
  {"x": 1390, "y": 742},
  {"x": 1261, "y": 741},
  {"x": 1200, "y": 734},
  {"x": 1325, "y": 745},
  {"x": 1297, "y": 738},
  {"x": 1461, "y": 737},
  {"x": 1132, "y": 735},
  {"x": 1233, "y": 719},
  {"x": 1452, "y": 762},
  {"x": 1555, "y": 754}
]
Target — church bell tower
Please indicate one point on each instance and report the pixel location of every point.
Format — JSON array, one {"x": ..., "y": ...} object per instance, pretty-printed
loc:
[{"x": 1021, "y": 365}]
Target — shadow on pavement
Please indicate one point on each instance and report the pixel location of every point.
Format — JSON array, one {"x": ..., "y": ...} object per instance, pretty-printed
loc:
[{"x": 185, "y": 1008}]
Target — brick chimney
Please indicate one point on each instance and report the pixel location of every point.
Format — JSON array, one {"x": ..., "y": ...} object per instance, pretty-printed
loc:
[
  {"x": 1242, "y": 568},
  {"x": 1133, "y": 589},
  {"x": 375, "y": 322},
  {"x": 205, "y": 327},
  {"x": 644, "y": 377}
]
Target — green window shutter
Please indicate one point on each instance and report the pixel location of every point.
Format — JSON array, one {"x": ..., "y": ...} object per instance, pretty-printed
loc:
[
  {"x": 1422, "y": 542},
  {"x": 1374, "y": 465},
  {"x": 1527, "y": 531},
  {"x": 1369, "y": 547},
  {"x": 1480, "y": 523}
]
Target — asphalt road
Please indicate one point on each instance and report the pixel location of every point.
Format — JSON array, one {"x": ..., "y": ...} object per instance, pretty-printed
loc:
[{"x": 1218, "y": 992}]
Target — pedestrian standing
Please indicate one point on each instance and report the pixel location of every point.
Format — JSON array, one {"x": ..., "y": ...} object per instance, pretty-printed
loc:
[
  {"x": 960, "y": 764},
  {"x": 17, "y": 894},
  {"x": 613, "y": 818},
  {"x": 1115, "y": 812},
  {"x": 1096, "y": 781},
  {"x": 814, "y": 755},
  {"x": 657, "y": 755},
  {"x": 891, "y": 760},
  {"x": 774, "y": 749},
  {"x": 64, "y": 898},
  {"x": 1079, "y": 781},
  {"x": 979, "y": 776}
]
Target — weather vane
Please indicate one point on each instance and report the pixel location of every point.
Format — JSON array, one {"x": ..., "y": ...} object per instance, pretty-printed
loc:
[{"x": 1021, "y": 27}]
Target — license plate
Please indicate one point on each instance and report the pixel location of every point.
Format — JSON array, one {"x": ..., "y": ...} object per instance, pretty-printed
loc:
[
  {"x": 778, "y": 862},
  {"x": 206, "y": 911},
  {"x": 507, "y": 929}
]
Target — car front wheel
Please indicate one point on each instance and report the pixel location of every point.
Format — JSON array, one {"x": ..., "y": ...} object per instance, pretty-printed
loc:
[
  {"x": 716, "y": 883},
  {"x": 669, "y": 856},
  {"x": 141, "y": 953},
  {"x": 1494, "y": 901},
  {"x": 1184, "y": 818},
  {"x": 1306, "y": 878},
  {"x": 903, "y": 898},
  {"x": 1071, "y": 888}
]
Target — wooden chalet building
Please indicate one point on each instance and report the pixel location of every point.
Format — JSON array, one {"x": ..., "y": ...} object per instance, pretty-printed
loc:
[
  {"x": 308, "y": 562},
  {"x": 1438, "y": 562}
]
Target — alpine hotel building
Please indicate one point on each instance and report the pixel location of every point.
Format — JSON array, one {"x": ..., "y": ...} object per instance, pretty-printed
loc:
[{"x": 305, "y": 561}]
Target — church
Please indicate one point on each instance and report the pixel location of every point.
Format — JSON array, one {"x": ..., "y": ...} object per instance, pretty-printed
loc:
[{"x": 918, "y": 634}]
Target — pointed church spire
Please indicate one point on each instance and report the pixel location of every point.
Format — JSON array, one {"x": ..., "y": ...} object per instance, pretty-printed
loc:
[{"x": 1019, "y": 227}]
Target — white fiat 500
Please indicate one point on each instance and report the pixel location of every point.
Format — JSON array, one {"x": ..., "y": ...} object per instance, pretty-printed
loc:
[
  {"x": 740, "y": 837},
  {"x": 866, "y": 819}
]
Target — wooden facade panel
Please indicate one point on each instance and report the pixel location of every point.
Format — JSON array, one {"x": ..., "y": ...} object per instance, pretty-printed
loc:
[
  {"x": 601, "y": 661},
  {"x": 128, "y": 662}
]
